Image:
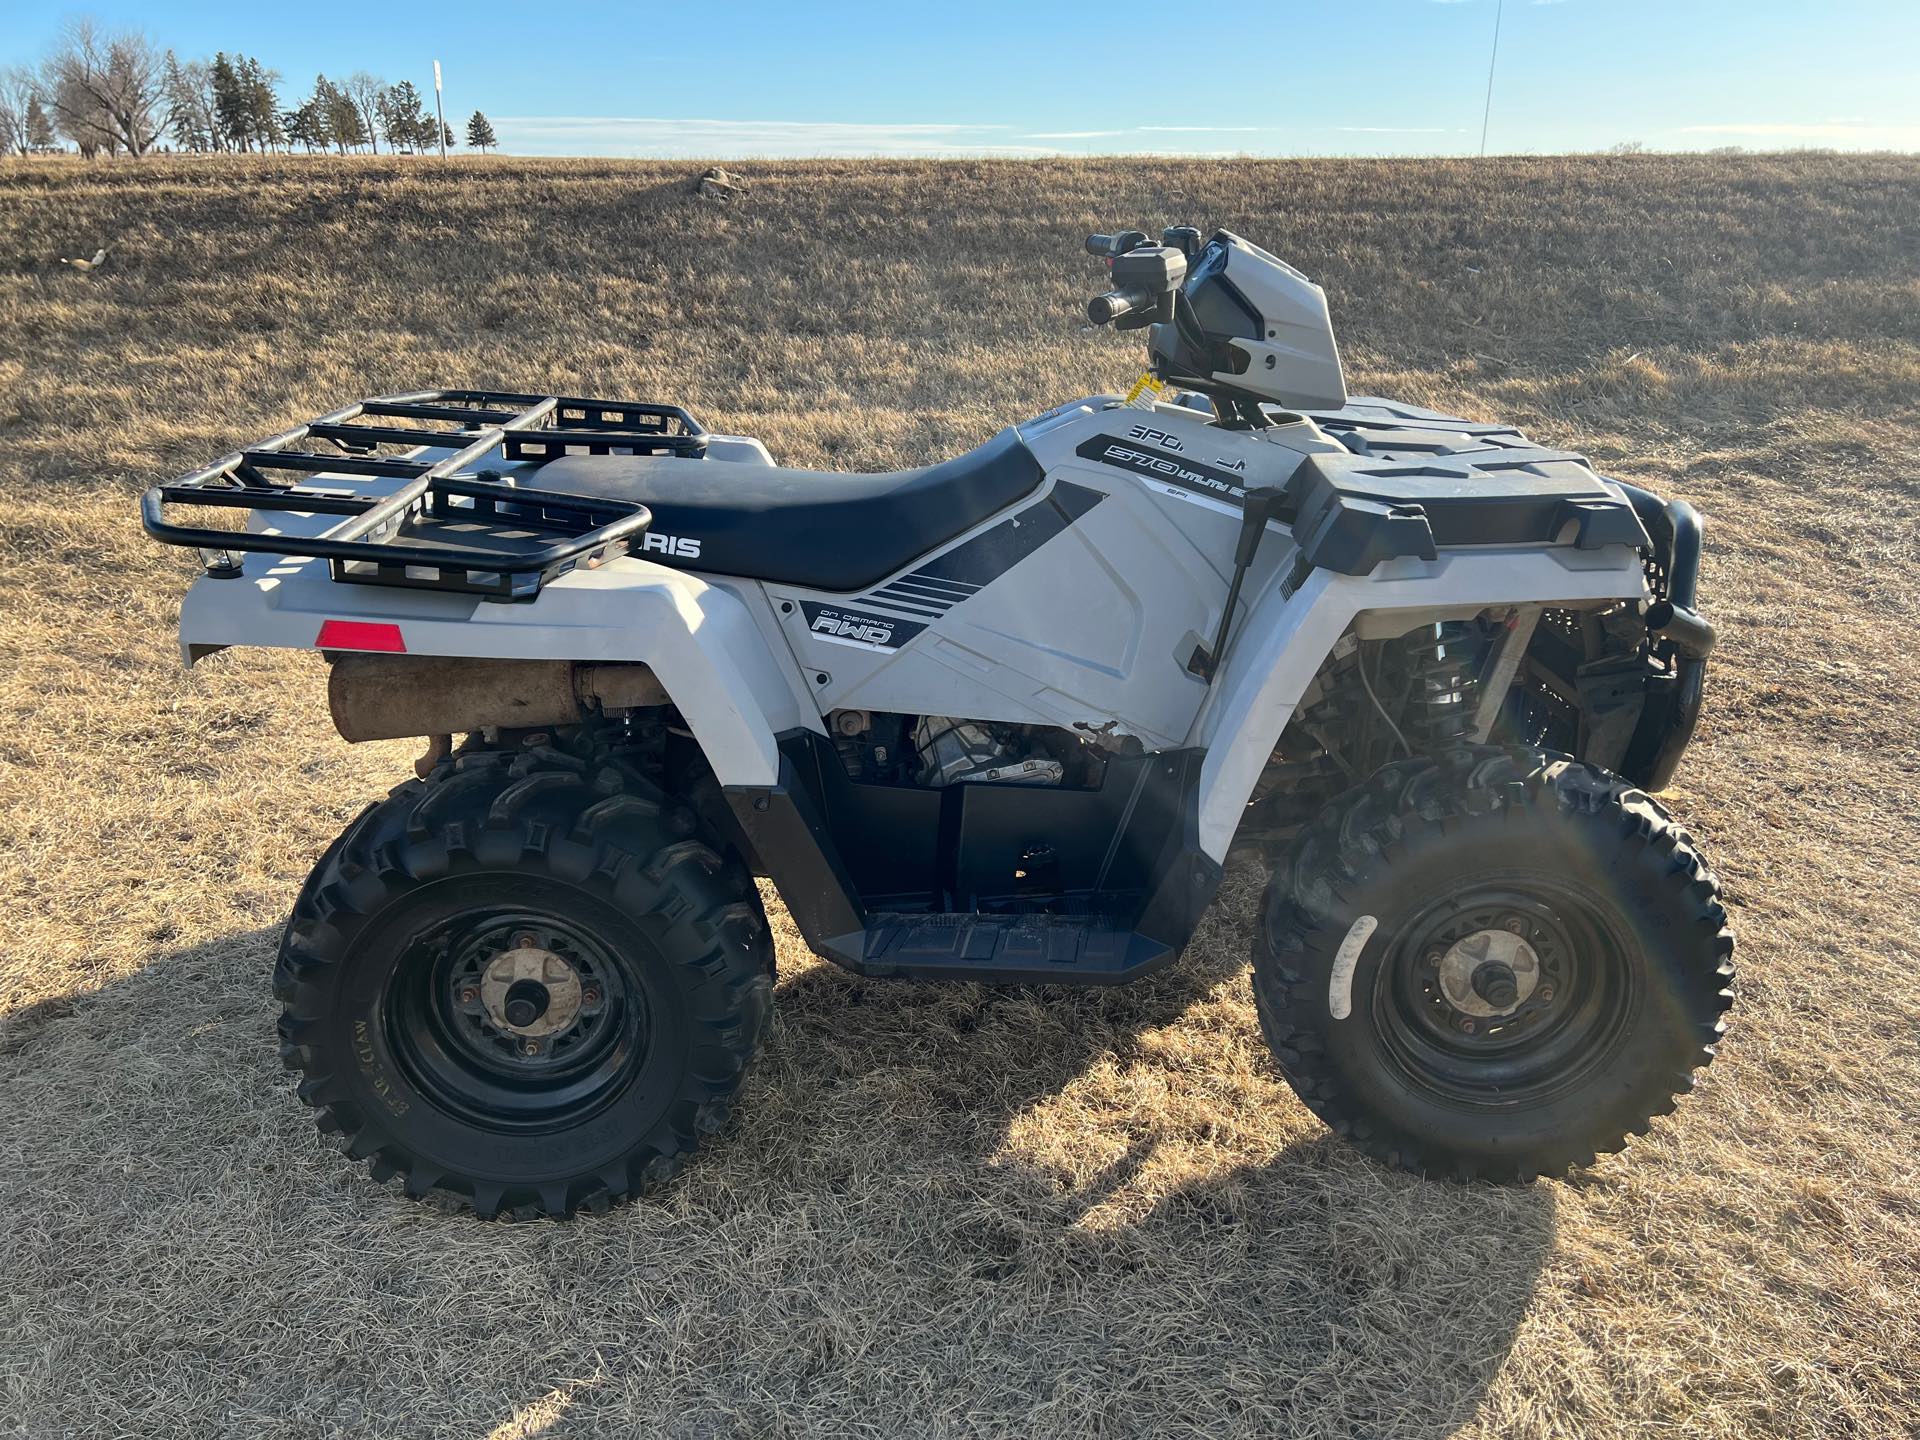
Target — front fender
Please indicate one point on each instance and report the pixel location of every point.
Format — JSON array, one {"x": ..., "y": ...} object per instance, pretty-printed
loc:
[{"x": 1283, "y": 640}]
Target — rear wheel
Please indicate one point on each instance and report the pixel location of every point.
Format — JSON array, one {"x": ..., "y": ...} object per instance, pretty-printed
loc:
[
  {"x": 527, "y": 981},
  {"x": 1492, "y": 964}
]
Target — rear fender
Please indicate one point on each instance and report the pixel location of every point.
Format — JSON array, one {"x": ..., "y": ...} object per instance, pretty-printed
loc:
[
  {"x": 1280, "y": 645},
  {"x": 700, "y": 640}
]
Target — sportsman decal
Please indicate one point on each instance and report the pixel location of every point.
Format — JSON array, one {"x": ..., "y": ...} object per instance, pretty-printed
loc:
[{"x": 1188, "y": 475}]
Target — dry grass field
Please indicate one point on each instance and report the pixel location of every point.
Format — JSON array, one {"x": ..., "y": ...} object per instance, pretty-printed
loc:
[{"x": 948, "y": 1211}]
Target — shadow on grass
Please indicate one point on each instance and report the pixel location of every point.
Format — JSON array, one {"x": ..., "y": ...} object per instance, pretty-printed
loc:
[
  {"x": 883, "y": 1241},
  {"x": 1312, "y": 1291}
]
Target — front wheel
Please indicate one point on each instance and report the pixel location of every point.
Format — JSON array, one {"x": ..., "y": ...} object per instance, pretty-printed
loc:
[
  {"x": 1492, "y": 964},
  {"x": 527, "y": 981}
]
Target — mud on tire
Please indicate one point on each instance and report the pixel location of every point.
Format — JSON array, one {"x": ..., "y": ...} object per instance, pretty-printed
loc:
[
  {"x": 391, "y": 973},
  {"x": 1492, "y": 964}
]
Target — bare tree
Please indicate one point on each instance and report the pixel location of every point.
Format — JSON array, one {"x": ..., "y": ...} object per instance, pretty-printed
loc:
[
  {"x": 366, "y": 91},
  {"x": 190, "y": 105},
  {"x": 19, "y": 87},
  {"x": 107, "y": 91}
]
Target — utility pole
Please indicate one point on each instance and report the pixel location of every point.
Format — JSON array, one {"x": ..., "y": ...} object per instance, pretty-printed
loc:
[
  {"x": 440, "y": 114},
  {"x": 1492, "y": 60}
]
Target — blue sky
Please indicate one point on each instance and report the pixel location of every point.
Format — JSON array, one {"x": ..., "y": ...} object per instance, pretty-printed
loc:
[{"x": 989, "y": 77}]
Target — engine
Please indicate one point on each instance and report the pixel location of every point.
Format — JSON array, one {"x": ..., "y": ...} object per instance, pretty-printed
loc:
[
  {"x": 953, "y": 752},
  {"x": 940, "y": 750}
]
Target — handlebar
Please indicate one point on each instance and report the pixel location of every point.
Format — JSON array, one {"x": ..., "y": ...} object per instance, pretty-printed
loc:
[
  {"x": 1104, "y": 309},
  {"x": 1111, "y": 245}
]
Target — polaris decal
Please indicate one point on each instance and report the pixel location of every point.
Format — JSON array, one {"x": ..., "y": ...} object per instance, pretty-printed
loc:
[
  {"x": 678, "y": 546},
  {"x": 853, "y": 627},
  {"x": 1189, "y": 475}
]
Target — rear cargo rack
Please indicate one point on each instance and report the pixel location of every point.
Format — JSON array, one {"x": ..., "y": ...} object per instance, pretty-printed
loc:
[{"x": 447, "y": 525}]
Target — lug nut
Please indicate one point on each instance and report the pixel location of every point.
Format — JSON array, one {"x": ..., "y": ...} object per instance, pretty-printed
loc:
[
  {"x": 529, "y": 1047},
  {"x": 1467, "y": 1026},
  {"x": 590, "y": 995},
  {"x": 1516, "y": 923},
  {"x": 525, "y": 940},
  {"x": 468, "y": 994},
  {"x": 1434, "y": 957},
  {"x": 1546, "y": 992}
]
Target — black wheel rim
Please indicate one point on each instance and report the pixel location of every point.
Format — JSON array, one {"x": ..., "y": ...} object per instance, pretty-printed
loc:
[
  {"x": 1559, "y": 1030},
  {"x": 474, "y": 1063}
]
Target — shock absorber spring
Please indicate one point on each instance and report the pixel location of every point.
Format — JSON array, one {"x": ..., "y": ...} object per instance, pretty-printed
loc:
[{"x": 1442, "y": 662}]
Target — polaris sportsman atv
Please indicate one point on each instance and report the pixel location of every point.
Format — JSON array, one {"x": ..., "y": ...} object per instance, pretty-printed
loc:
[{"x": 999, "y": 719}]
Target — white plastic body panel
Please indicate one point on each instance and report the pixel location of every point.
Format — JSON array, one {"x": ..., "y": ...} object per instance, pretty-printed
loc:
[
  {"x": 700, "y": 639},
  {"x": 1096, "y": 623},
  {"x": 1287, "y": 637}
]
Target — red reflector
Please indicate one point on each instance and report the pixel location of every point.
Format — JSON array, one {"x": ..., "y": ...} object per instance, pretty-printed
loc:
[{"x": 361, "y": 635}]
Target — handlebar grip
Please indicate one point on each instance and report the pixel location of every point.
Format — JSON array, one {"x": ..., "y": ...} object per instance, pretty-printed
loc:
[
  {"x": 1109, "y": 246},
  {"x": 1103, "y": 309}
]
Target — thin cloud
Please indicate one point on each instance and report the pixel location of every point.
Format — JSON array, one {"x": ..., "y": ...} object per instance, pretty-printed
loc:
[
  {"x": 1853, "y": 132},
  {"x": 1149, "y": 130},
  {"x": 748, "y": 139},
  {"x": 1391, "y": 129}
]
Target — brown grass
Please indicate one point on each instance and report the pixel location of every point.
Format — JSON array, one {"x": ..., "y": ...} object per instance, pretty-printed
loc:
[{"x": 947, "y": 1211}]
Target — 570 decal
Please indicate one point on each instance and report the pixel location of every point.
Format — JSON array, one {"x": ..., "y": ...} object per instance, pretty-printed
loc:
[{"x": 1189, "y": 475}]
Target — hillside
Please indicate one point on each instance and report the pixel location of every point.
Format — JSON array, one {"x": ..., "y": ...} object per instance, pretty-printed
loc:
[{"x": 945, "y": 1211}]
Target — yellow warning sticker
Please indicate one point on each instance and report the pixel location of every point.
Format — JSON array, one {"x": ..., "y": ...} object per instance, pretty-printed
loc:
[{"x": 1145, "y": 391}]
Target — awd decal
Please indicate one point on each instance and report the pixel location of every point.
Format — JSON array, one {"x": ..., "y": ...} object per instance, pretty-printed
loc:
[
  {"x": 1189, "y": 475},
  {"x": 854, "y": 627}
]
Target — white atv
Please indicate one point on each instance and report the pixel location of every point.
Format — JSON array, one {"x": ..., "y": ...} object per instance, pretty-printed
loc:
[{"x": 999, "y": 719}]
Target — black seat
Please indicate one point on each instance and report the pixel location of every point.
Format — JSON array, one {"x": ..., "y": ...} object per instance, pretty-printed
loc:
[{"x": 818, "y": 529}]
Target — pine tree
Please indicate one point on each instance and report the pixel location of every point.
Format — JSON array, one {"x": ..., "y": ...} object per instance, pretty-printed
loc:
[
  {"x": 262, "y": 104},
  {"x": 307, "y": 125},
  {"x": 446, "y": 135},
  {"x": 404, "y": 119},
  {"x": 342, "y": 115},
  {"x": 480, "y": 134},
  {"x": 316, "y": 118},
  {"x": 397, "y": 117},
  {"x": 39, "y": 128},
  {"x": 230, "y": 106}
]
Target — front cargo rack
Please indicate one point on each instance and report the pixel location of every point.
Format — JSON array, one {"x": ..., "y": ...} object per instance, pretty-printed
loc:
[{"x": 447, "y": 525}]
